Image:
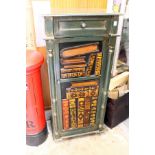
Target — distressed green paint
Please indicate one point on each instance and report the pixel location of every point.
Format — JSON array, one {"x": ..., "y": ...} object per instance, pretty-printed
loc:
[
  {"x": 71, "y": 26},
  {"x": 68, "y": 29},
  {"x": 51, "y": 72},
  {"x": 48, "y": 26}
]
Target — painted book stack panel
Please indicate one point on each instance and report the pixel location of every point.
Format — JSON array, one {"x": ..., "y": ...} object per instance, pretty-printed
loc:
[
  {"x": 80, "y": 106},
  {"x": 79, "y": 61}
]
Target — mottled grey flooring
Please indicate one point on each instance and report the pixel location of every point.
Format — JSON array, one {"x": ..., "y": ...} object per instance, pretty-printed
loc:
[{"x": 111, "y": 142}]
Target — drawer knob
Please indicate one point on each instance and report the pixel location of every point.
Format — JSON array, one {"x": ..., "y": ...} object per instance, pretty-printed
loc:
[{"x": 83, "y": 25}]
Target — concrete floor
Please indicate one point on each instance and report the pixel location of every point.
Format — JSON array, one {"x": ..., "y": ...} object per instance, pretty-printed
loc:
[{"x": 111, "y": 142}]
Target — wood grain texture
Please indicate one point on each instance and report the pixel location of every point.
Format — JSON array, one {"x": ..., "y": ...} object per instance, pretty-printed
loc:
[
  {"x": 45, "y": 79},
  {"x": 77, "y": 6}
]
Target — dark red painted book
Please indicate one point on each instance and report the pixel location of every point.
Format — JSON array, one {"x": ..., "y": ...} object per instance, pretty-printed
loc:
[
  {"x": 65, "y": 110},
  {"x": 87, "y": 111}
]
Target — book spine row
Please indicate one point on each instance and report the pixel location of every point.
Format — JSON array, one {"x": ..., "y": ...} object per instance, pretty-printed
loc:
[
  {"x": 81, "y": 114},
  {"x": 72, "y": 93}
]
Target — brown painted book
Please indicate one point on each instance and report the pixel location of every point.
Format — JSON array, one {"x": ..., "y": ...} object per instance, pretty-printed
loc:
[
  {"x": 90, "y": 64},
  {"x": 72, "y": 93},
  {"x": 87, "y": 111},
  {"x": 72, "y": 70},
  {"x": 65, "y": 110},
  {"x": 72, "y": 75},
  {"x": 75, "y": 66},
  {"x": 79, "y": 50},
  {"x": 84, "y": 84},
  {"x": 72, "y": 108},
  {"x": 93, "y": 111},
  {"x": 73, "y": 61},
  {"x": 98, "y": 64},
  {"x": 81, "y": 105}
]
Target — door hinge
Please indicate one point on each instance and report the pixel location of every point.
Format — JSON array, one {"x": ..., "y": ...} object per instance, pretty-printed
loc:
[{"x": 114, "y": 35}]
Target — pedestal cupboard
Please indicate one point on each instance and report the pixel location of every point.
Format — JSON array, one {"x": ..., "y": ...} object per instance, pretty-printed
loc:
[{"x": 79, "y": 55}]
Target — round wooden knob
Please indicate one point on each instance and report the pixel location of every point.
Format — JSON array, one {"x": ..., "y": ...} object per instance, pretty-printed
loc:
[{"x": 83, "y": 24}]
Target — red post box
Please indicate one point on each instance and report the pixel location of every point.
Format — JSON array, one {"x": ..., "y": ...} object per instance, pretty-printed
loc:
[{"x": 36, "y": 130}]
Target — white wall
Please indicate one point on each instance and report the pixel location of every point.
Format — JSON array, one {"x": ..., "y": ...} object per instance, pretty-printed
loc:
[{"x": 40, "y": 8}]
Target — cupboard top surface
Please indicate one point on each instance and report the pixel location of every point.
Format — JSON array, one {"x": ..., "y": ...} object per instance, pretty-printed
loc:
[{"x": 82, "y": 14}]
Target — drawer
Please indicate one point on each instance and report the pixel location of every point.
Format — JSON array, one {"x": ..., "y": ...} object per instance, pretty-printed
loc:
[{"x": 77, "y": 26}]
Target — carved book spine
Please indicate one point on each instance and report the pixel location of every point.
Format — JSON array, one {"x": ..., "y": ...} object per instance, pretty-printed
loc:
[
  {"x": 90, "y": 64},
  {"x": 71, "y": 70},
  {"x": 79, "y": 50},
  {"x": 72, "y": 107},
  {"x": 80, "y": 112},
  {"x": 72, "y": 61},
  {"x": 98, "y": 64},
  {"x": 87, "y": 111},
  {"x": 65, "y": 110},
  {"x": 71, "y": 75},
  {"x": 83, "y": 84},
  {"x": 93, "y": 111}
]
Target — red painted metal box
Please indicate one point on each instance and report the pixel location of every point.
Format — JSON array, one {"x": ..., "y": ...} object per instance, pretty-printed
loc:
[{"x": 36, "y": 130}]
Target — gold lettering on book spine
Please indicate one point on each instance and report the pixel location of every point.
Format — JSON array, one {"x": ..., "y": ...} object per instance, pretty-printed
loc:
[
  {"x": 93, "y": 111},
  {"x": 80, "y": 112},
  {"x": 98, "y": 64},
  {"x": 72, "y": 106},
  {"x": 71, "y": 75},
  {"x": 93, "y": 91},
  {"x": 90, "y": 64}
]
